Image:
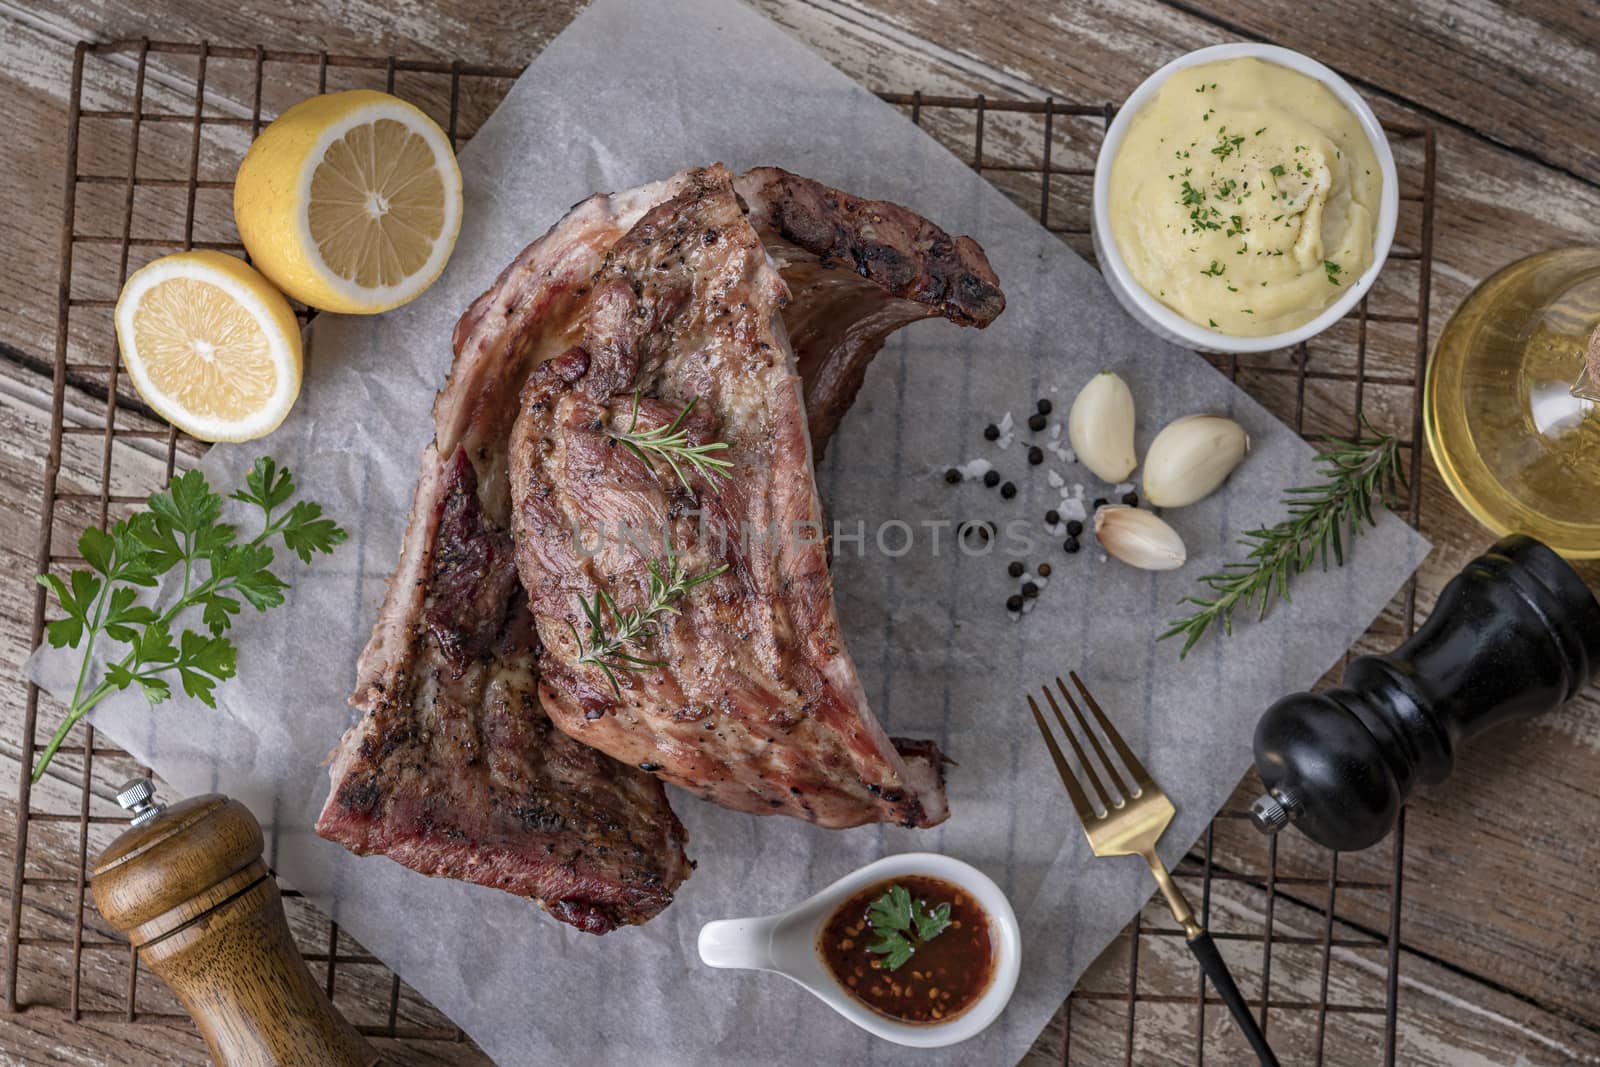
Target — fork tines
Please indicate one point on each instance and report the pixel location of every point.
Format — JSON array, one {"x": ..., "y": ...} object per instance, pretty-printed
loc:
[{"x": 1108, "y": 800}]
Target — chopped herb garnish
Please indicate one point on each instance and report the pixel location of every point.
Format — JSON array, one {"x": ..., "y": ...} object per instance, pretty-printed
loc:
[
  {"x": 1277, "y": 170},
  {"x": 1215, "y": 270},
  {"x": 1226, "y": 145},
  {"x": 1334, "y": 270}
]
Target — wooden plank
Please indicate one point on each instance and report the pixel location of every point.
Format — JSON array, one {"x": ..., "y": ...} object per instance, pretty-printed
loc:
[
  {"x": 1506, "y": 71},
  {"x": 1449, "y": 1020}
]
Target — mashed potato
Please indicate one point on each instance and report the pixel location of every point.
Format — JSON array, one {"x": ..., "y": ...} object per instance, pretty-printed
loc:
[{"x": 1245, "y": 197}]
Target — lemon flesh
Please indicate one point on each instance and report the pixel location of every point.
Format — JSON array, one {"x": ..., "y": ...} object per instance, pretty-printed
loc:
[
  {"x": 210, "y": 345},
  {"x": 350, "y": 202}
]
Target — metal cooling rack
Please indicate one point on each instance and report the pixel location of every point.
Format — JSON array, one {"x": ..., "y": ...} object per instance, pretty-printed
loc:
[{"x": 154, "y": 132}]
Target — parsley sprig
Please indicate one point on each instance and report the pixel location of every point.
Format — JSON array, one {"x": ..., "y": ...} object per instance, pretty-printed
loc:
[
  {"x": 1356, "y": 473},
  {"x": 900, "y": 924},
  {"x": 179, "y": 528},
  {"x": 604, "y": 648}
]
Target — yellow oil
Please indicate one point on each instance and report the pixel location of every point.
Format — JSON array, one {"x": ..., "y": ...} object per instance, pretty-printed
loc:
[{"x": 1514, "y": 444}]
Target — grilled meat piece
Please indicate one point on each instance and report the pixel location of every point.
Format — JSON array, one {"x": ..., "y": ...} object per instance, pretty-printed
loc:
[
  {"x": 744, "y": 693},
  {"x": 858, "y": 270},
  {"x": 457, "y": 771},
  {"x": 454, "y": 770}
]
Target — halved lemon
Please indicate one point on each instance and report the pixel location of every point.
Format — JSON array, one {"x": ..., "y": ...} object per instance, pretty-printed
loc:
[
  {"x": 210, "y": 344},
  {"x": 350, "y": 201}
]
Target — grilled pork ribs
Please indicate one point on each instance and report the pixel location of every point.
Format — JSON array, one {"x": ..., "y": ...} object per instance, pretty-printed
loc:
[{"x": 455, "y": 769}]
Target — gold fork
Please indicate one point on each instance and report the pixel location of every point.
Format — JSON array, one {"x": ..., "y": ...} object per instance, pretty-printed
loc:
[{"x": 1133, "y": 822}]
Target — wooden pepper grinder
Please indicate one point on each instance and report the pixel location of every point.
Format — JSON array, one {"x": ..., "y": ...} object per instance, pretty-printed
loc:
[{"x": 188, "y": 886}]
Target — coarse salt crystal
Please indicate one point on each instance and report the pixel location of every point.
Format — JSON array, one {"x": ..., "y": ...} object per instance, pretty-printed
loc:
[
  {"x": 975, "y": 468},
  {"x": 1054, "y": 479},
  {"x": 1123, "y": 487},
  {"x": 1072, "y": 508}
]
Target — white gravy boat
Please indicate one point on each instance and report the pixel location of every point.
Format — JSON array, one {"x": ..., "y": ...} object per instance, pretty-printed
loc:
[{"x": 786, "y": 944}]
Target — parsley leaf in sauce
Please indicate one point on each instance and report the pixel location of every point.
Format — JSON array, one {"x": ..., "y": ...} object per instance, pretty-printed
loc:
[{"x": 900, "y": 924}]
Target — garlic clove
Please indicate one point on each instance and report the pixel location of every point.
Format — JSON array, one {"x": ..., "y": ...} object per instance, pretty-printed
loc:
[
  {"x": 1138, "y": 538},
  {"x": 1190, "y": 459},
  {"x": 1100, "y": 427}
]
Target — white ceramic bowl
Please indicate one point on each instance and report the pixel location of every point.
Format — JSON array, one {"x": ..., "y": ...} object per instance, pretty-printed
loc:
[
  {"x": 787, "y": 944},
  {"x": 1162, "y": 320}
]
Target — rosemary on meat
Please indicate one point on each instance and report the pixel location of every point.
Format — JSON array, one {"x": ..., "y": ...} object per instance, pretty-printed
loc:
[
  {"x": 1357, "y": 472},
  {"x": 671, "y": 443},
  {"x": 604, "y": 649}
]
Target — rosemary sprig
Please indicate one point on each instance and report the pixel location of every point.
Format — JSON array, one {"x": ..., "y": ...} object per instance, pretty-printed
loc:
[
  {"x": 1357, "y": 472},
  {"x": 604, "y": 649},
  {"x": 671, "y": 443}
]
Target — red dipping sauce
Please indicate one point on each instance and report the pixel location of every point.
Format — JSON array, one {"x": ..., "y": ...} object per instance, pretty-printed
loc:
[{"x": 945, "y": 974}]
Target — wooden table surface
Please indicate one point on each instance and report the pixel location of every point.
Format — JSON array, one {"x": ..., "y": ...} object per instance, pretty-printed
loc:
[{"x": 1501, "y": 923}]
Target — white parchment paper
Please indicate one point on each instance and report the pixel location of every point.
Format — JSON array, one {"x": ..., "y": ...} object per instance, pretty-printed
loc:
[{"x": 631, "y": 93}]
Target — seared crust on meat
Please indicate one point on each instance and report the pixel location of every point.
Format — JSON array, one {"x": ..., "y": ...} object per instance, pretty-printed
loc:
[
  {"x": 755, "y": 703},
  {"x": 857, "y": 271},
  {"x": 457, "y": 772}
]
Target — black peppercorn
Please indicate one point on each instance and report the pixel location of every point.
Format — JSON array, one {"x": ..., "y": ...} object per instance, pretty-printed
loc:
[
  {"x": 1044, "y": 570},
  {"x": 1044, "y": 406},
  {"x": 1075, "y": 528},
  {"x": 1100, "y": 502},
  {"x": 1131, "y": 499},
  {"x": 1036, "y": 423},
  {"x": 1030, "y": 590},
  {"x": 991, "y": 432},
  {"x": 1008, "y": 490},
  {"x": 1015, "y": 570},
  {"x": 1013, "y": 602},
  {"x": 968, "y": 530},
  {"x": 1070, "y": 545},
  {"x": 991, "y": 478},
  {"x": 1035, "y": 455},
  {"x": 952, "y": 476},
  {"x": 1052, "y": 517}
]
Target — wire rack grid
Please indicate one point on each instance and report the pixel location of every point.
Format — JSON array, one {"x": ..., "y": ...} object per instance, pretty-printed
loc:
[{"x": 155, "y": 130}]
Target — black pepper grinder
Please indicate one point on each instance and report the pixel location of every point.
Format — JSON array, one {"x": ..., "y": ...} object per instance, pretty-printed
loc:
[{"x": 1515, "y": 634}]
